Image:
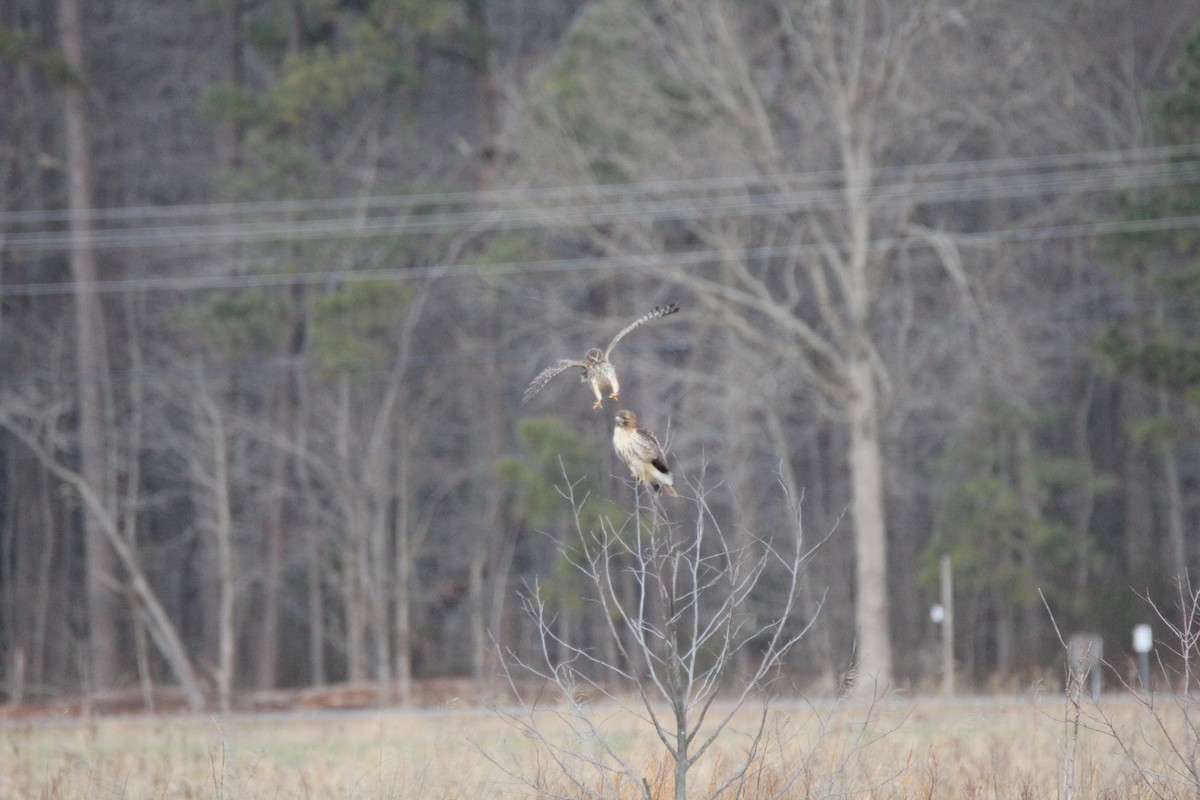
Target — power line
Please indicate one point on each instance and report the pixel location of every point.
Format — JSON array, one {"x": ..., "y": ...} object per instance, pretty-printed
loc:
[
  {"x": 1095, "y": 307},
  {"x": 591, "y": 192},
  {"x": 753, "y": 195},
  {"x": 674, "y": 260}
]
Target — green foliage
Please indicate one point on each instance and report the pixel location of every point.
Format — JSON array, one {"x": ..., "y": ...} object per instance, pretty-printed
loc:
[
  {"x": 286, "y": 170},
  {"x": 1175, "y": 119},
  {"x": 59, "y": 70},
  {"x": 14, "y": 45},
  {"x": 1158, "y": 362},
  {"x": 1176, "y": 115},
  {"x": 286, "y": 123},
  {"x": 255, "y": 320},
  {"x": 1152, "y": 432},
  {"x": 355, "y": 326},
  {"x": 352, "y": 55},
  {"x": 334, "y": 83},
  {"x": 610, "y": 71},
  {"x": 267, "y": 33},
  {"x": 421, "y": 17},
  {"x": 1163, "y": 352},
  {"x": 506, "y": 248},
  {"x": 996, "y": 521},
  {"x": 321, "y": 82},
  {"x": 511, "y": 247},
  {"x": 552, "y": 454},
  {"x": 18, "y": 46},
  {"x": 1063, "y": 474},
  {"x": 997, "y": 543},
  {"x": 231, "y": 104}
]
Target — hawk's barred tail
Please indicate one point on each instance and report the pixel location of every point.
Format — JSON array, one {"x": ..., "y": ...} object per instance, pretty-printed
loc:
[{"x": 659, "y": 311}]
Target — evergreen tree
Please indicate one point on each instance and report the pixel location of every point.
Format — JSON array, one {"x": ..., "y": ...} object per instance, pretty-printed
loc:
[
  {"x": 1001, "y": 521},
  {"x": 1161, "y": 349}
]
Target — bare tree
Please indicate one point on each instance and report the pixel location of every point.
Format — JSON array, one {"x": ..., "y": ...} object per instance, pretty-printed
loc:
[
  {"x": 359, "y": 476},
  {"x": 761, "y": 94},
  {"x": 209, "y": 463},
  {"x": 38, "y": 430},
  {"x": 1162, "y": 748},
  {"x": 676, "y": 637},
  {"x": 103, "y": 599}
]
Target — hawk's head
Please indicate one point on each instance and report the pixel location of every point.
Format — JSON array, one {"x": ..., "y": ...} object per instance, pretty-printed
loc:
[
  {"x": 626, "y": 419},
  {"x": 594, "y": 356}
]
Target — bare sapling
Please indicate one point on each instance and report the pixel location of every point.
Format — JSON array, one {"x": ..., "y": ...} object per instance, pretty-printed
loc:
[
  {"x": 678, "y": 604},
  {"x": 1162, "y": 750},
  {"x": 1075, "y": 676}
]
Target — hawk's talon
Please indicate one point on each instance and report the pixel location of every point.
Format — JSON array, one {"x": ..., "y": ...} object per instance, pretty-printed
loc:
[
  {"x": 613, "y": 396},
  {"x": 598, "y": 404}
]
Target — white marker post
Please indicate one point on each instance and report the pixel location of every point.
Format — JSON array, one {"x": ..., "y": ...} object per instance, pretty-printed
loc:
[
  {"x": 943, "y": 615},
  {"x": 1143, "y": 641}
]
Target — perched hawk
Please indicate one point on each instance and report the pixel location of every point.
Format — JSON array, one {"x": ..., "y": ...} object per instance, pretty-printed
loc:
[
  {"x": 641, "y": 452},
  {"x": 597, "y": 369}
]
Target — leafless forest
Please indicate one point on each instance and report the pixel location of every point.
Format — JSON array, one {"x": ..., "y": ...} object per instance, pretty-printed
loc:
[{"x": 274, "y": 275}]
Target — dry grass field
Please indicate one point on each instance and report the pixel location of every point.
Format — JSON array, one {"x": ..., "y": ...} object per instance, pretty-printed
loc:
[{"x": 899, "y": 748}]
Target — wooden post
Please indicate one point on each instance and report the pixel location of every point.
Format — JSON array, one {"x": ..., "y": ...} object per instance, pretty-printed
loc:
[
  {"x": 947, "y": 584},
  {"x": 16, "y": 685}
]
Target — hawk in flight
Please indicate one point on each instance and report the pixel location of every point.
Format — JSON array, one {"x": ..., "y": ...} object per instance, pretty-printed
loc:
[
  {"x": 597, "y": 369},
  {"x": 641, "y": 452}
]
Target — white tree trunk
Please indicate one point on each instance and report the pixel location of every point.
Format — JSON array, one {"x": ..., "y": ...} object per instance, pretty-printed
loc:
[
  {"x": 225, "y": 577},
  {"x": 871, "y": 609}
]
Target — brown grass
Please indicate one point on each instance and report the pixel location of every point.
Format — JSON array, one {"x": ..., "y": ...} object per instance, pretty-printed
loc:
[{"x": 904, "y": 749}]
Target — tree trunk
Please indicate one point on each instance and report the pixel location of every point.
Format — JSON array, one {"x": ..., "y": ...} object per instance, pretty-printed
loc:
[
  {"x": 871, "y": 609},
  {"x": 355, "y": 572},
  {"x": 490, "y": 541},
  {"x": 233, "y": 134},
  {"x": 1004, "y": 638},
  {"x": 272, "y": 575},
  {"x": 1024, "y": 625},
  {"x": 223, "y": 525},
  {"x": 402, "y": 583},
  {"x": 381, "y": 601},
  {"x": 314, "y": 563},
  {"x": 275, "y": 531},
  {"x": 103, "y": 599},
  {"x": 478, "y": 620},
  {"x": 501, "y": 568},
  {"x": 161, "y": 628},
  {"x": 133, "y": 484},
  {"x": 1176, "y": 555}
]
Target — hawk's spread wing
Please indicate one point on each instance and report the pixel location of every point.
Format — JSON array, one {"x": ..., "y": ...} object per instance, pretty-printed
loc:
[
  {"x": 545, "y": 375},
  {"x": 659, "y": 311}
]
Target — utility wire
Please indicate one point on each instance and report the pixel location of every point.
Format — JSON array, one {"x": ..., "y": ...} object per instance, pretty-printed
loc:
[
  {"x": 677, "y": 260},
  {"x": 907, "y": 186},
  {"x": 591, "y": 193}
]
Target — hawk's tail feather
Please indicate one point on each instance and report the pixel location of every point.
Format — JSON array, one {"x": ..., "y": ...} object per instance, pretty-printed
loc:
[
  {"x": 665, "y": 484},
  {"x": 660, "y": 311}
]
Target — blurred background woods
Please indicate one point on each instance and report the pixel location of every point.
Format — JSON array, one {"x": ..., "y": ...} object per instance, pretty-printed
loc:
[{"x": 273, "y": 276}]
